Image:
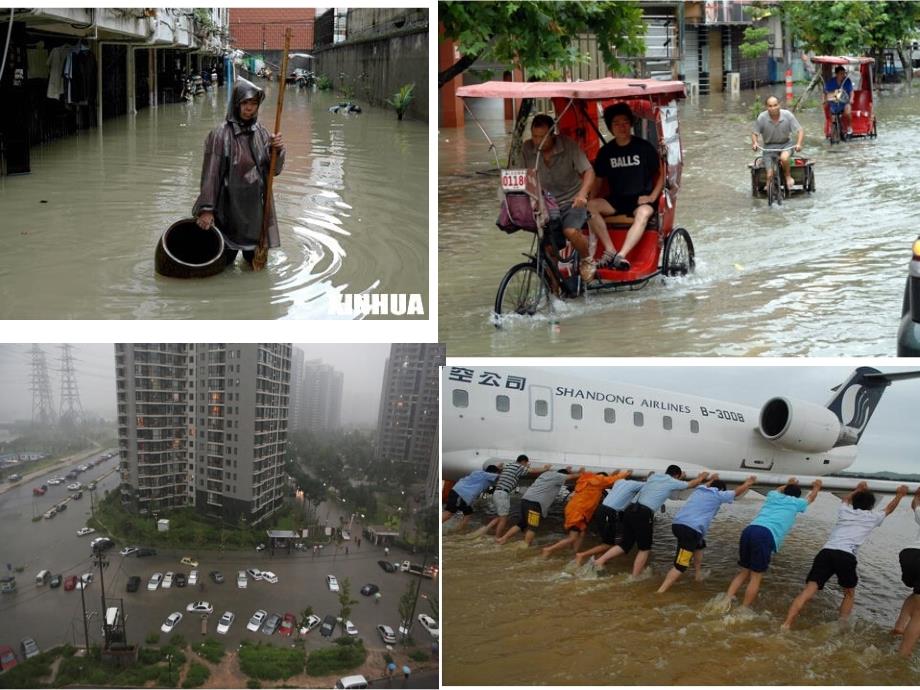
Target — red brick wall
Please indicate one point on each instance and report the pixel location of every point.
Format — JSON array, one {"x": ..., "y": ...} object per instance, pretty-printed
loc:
[{"x": 253, "y": 29}]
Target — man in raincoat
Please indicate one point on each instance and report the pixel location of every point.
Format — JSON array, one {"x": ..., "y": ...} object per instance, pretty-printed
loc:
[{"x": 234, "y": 175}]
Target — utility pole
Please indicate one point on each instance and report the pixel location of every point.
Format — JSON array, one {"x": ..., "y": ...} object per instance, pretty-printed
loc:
[
  {"x": 105, "y": 626},
  {"x": 83, "y": 604}
]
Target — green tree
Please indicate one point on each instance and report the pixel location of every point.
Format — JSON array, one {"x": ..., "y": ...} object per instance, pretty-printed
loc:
[
  {"x": 541, "y": 37},
  {"x": 304, "y": 615},
  {"x": 345, "y": 601},
  {"x": 406, "y": 606},
  {"x": 754, "y": 44}
]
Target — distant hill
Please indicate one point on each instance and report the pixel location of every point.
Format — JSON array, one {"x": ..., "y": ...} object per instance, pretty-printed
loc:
[{"x": 890, "y": 476}]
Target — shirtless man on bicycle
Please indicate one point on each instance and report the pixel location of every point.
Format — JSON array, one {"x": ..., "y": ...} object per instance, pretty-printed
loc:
[{"x": 776, "y": 126}]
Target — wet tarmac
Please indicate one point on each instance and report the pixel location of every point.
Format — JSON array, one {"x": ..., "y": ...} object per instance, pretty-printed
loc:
[
  {"x": 54, "y": 616},
  {"x": 352, "y": 206},
  {"x": 822, "y": 275}
]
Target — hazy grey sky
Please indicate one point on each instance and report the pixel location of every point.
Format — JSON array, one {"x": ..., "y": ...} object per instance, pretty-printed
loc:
[
  {"x": 891, "y": 440},
  {"x": 362, "y": 365}
]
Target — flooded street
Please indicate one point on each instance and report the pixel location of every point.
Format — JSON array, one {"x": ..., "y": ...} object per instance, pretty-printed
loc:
[
  {"x": 821, "y": 275},
  {"x": 80, "y": 231},
  {"x": 515, "y": 618},
  {"x": 53, "y": 616}
]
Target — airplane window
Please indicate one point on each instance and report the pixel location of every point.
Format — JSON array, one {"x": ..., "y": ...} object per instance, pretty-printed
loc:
[
  {"x": 541, "y": 408},
  {"x": 694, "y": 426},
  {"x": 667, "y": 422},
  {"x": 461, "y": 398},
  {"x": 638, "y": 419},
  {"x": 502, "y": 403},
  {"x": 577, "y": 412},
  {"x": 610, "y": 415}
]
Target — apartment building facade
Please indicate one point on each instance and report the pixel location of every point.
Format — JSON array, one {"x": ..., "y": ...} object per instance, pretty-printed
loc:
[
  {"x": 407, "y": 424},
  {"x": 203, "y": 425}
]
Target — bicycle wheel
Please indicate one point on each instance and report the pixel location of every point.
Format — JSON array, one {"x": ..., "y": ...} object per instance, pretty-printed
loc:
[
  {"x": 523, "y": 291},
  {"x": 772, "y": 189},
  {"x": 835, "y": 131}
]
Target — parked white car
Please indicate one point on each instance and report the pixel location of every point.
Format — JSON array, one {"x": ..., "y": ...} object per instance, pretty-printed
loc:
[
  {"x": 226, "y": 620},
  {"x": 255, "y": 573},
  {"x": 168, "y": 579},
  {"x": 200, "y": 607},
  {"x": 430, "y": 624},
  {"x": 128, "y": 550},
  {"x": 83, "y": 531},
  {"x": 76, "y": 486},
  {"x": 350, "y": 629},
  {"x": 333, "y": 583},
  {"x": 193, "y": 578},
  {"x": 155, "y": 581},
  {"x": 85, "y": 581},
  {"x": 270, "y": 577},
  {"x": 171, "y": 622},
  {"x": 256, "y": 621},
  {"x": 312, "y": 622}
]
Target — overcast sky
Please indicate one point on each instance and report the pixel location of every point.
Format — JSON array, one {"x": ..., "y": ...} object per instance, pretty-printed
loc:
[
  {"x": 891, "y": 440},
  {"x": 361, "y": 364}
]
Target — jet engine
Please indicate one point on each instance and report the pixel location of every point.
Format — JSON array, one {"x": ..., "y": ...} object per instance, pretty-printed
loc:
[{"x": 799, "y": 426}]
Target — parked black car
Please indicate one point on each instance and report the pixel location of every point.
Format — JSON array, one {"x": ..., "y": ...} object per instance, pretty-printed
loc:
[
  {"x": 180, "y": 580},
  {"x": 146, "y": 552},
  {"x": 370, "y": 589},
  {"x": 386, "y": 565},
  {"x": 216, "y": 576},
  {"x": 133, "y": 583},
  {"x": 328, "y": 626},
  {"x": 56, "y": 580}
]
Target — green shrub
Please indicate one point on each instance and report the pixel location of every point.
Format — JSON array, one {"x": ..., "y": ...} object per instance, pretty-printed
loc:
[
  {"x": 196, "y": 676},
  {"x": 419, "y": 655},
  {"x": 147, "y": 656},
  {"x": 402, "y": 99},
  {"x": 270, "y": 663},
  {"x": 27, "y": 673},
  {"x": 210, "y": 649},
  {"x": 342, "y": 657},
  {"x": 67, "y": 651},
  {"x": 177, "y": 641},
  {"x": 323, "y": 83},
  {"x": 253, "y": 683},
  {"x": 152, "y": 638}
]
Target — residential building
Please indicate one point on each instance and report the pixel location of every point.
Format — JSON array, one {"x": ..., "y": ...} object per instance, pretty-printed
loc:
[
  {"x": 203, "y": 425},
  {"x": 322, "y": 397},
  {"x": 407, "y": 424}
]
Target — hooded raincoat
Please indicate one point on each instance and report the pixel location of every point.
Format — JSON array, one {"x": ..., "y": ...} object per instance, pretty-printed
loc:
[{"x": 234, "y": 175}]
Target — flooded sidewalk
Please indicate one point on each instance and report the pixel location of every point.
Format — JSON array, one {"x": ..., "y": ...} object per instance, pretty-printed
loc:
[
  {"x": 821, "y": 275},
  {"x": 352, "y": 204}
]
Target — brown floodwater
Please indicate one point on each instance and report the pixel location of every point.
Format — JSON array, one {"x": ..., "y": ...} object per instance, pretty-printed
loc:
[
  {"x": 514, "y": 618},
  {"x": 822, "y": 275},
  {"x": 80, "y": 231}
]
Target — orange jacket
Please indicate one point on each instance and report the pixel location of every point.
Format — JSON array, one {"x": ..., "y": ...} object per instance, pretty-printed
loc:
[{"x": 587, "y": 495}]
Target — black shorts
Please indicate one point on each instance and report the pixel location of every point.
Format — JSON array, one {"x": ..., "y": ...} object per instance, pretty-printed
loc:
[
  {"x": 610, "y": 528},
  {"x": 569, "y": 217},
  {"x": 455, "y": 504},
  {"x": 755, "y": 548},
  {"x": 910, "y": 568},
  {"x": 638, "y": 525},
  {"x": 531, "y": 514},
  {"x": 626, "y": 205},
  {"x": 688, "y": 541},
  {"x": 833, "y": 562}
]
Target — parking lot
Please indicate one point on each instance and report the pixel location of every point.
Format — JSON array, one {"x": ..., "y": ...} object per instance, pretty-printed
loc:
[{"x": 53, "y": 616}]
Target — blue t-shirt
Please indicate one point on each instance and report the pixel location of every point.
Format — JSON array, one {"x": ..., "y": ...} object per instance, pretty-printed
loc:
[
  {"x": 474, "y": 484},
  {"x": 778, "y": 515},
  {"x": 702, "y": 507},
  {"x": 831, "y": 85},
  {"x": 621, "y": 493},
  {"x": 657, "y": 489}
]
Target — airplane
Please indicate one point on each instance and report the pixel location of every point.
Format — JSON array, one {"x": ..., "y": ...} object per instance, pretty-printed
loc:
[{"x": 491, "y": 415}]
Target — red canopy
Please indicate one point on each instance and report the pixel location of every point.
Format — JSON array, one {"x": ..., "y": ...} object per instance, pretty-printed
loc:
[
  {"x": 842, "y": 60},
  {"x": 592, "y": 90}
]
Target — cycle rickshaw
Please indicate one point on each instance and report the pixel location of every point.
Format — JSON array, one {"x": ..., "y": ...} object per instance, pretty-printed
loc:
[
  {"x": 800, "y": 167},
  {"x": 862, "y": 112},
  {"x": 527, "y": 287}
]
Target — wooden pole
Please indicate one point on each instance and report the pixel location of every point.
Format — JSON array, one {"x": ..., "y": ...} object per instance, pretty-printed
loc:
[{"x": 261, "y": 256}]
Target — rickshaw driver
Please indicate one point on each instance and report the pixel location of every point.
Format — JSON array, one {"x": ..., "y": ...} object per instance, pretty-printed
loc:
[
  {"x": 838, "y": 92},
  {"x": 566, "y": 174},
  {"x": 775, "y": 125},
  {"x": 629, "y": 165}
]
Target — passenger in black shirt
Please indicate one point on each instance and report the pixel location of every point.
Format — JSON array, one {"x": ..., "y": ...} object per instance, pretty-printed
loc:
[{"x": 629, "y": 164}]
